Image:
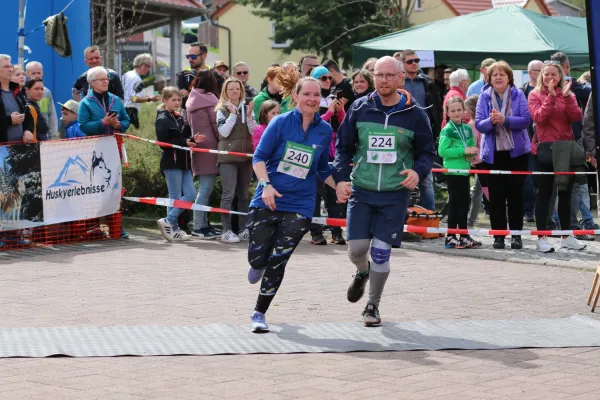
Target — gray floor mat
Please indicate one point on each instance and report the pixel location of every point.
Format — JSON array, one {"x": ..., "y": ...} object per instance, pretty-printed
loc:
[{"x": 575, "y": 331}]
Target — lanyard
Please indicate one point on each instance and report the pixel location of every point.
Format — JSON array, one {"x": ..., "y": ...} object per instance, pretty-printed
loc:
[
  {"x": 101, "y": 104},
  {"x": 460, "y": 132}
]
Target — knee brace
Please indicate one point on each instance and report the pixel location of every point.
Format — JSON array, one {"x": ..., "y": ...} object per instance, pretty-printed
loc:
[{"x": 380, "y": 255}]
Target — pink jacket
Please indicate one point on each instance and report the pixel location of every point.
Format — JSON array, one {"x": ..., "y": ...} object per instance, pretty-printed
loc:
[
  {"x": 201, "y": 117},
  {"x": 257, "y": 134},
  {"x": 341, "y": 114},
  {"x": 553, "y": 116},
  {"x": 476, "y": 158},
  {"x": 453, "y": 92}
]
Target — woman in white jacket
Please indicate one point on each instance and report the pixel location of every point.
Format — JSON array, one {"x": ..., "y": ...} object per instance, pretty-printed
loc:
[{"x": 235, "y": 124}]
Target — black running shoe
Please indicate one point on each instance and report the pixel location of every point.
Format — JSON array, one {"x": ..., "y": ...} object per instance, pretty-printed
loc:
[
  {"x": 499, "y": 243},
  {"x": 467, "y": 242},
  {"x": 516, "y": 243},
  {"x": 319, "y": 240},
  {"x": 356, "y": 290},
  {"x": 371, "y": 315}
]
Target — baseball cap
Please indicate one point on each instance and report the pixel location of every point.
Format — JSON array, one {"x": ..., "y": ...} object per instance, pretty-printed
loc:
[
  {"x": 70, "y": 105},
  {"x": 221, "y": 64},
  {"x": 319, "y": 71}
]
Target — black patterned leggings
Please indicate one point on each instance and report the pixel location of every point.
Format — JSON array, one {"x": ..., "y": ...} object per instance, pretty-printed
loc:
[{"x": 274, "y": 236}]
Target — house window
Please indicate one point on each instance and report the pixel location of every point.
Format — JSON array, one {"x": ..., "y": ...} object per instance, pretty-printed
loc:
[
  {"x": 418, "y": 5},
  {"x": 274, "y": 44}
]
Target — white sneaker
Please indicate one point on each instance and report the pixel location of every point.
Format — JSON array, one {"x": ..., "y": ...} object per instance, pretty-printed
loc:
[
  {"x": 571, "y": 243},
  {"x": 230, "y": 237},
  {"x": 544, "y": 246},
  {"x": 180, "y": 236},
  {"x": 166, "y": 229},
  {"x": 245, "y": 235}
]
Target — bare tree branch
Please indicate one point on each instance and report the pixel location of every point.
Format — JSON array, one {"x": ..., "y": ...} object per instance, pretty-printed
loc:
[{"x": 352, "y": 30}]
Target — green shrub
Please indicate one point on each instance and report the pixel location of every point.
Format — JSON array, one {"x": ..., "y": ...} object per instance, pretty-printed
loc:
[{"x": 143, "y": 177}]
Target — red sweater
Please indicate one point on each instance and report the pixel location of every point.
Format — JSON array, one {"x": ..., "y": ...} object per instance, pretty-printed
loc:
[{"x": 553, "y": 116}]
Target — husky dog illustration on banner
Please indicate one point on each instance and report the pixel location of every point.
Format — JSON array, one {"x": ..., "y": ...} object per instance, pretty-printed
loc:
[
  {"x": 99, "y": 172},
  {"x": 11, "y": 203}
]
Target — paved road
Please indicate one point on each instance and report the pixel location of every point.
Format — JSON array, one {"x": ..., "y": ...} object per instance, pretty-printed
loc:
[{"x": 147, "y": 281}]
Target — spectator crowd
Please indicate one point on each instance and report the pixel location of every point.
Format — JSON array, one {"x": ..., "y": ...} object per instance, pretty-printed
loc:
[{"x": 488, "y": 124}]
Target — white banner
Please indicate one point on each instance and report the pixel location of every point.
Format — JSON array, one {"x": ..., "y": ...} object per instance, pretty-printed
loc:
[{"x": 80, "y": 179}]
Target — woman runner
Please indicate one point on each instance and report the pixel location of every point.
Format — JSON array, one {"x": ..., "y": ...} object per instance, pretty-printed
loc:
[{"x": 293, "y": 150}]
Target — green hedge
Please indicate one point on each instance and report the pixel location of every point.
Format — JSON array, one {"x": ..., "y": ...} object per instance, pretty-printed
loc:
[{"x": 143, "y": 177}]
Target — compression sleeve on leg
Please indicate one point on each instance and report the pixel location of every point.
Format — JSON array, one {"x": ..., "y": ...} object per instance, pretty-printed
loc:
[{"x": 358, "y": 251}]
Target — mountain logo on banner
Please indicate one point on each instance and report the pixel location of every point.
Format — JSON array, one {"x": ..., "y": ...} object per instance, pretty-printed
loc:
[{"x": 72, "y": 168}]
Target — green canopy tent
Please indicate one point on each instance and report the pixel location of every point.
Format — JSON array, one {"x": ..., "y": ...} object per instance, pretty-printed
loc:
[{"x": 509, "y": 33}]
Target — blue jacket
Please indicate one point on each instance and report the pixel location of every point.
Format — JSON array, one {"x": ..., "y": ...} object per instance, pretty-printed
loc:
[
  {"x": 518, "y": 123},
  {"x": 91, "y": 113},
  {"x": 73, "y": 131},
  {"x": 298, "y": 194},
  {"x": 414, "y": 143}
]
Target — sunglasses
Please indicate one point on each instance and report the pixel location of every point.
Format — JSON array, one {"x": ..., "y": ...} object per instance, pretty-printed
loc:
[
  {"x": 326, "y": 78},
  {"x": 550, "y": 62},
  {"x": 193, "y": 56},
  {"x": 413, "y": 61},
  {"x": 242, "y": 73}
]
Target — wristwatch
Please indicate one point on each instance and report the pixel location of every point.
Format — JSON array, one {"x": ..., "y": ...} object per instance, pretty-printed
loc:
[{"x": 264, "y": 183}]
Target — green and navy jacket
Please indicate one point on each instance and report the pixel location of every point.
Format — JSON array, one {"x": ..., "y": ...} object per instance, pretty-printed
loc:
[
  {"x": 453, "y": 141},
  {"x": 414, "y": 143}
]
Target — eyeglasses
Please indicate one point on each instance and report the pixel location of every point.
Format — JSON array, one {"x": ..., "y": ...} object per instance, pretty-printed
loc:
[
  {"x": 413, "y": 61},
  {"x": 102, "y": 79},
  {"x": 242, "y": 73},
  {"x": 388, "y": 77},
  {"x": 325, "y": 78},
  {"x": 193, "y": 56}
]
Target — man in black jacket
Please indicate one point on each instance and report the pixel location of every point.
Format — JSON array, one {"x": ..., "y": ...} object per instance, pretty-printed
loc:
[
  {"x": 16, "y": 123},
  {"x": 424, "y": 90},
  {"x": 93, "y": 58}
]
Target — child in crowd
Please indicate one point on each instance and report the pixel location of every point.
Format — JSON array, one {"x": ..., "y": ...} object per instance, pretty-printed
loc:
[
  {"x": 457, "y": 147},
  {"x": 176, "y": 165},
  {"x": 479, "y": 188},
  {"x": 268, "y": 110},
  {"x": 69, "y": 125}
]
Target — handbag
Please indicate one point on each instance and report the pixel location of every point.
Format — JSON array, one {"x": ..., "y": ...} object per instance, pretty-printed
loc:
[{"x": 544, "y": 151}]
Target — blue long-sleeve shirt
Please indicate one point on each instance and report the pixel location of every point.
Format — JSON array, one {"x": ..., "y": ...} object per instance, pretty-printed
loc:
[{"x": 298, "y": 195}]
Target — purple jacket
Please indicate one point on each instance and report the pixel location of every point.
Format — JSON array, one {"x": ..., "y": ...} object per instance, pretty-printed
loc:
[{"x": 518, "y": 122}]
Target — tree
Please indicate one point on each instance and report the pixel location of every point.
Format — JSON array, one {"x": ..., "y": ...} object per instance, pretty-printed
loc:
[{"x": 330, "y": 27}]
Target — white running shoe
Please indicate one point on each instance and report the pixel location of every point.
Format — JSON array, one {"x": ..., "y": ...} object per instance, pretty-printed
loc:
[
  {"x": 230, "y": 237},
  {"x": 244, "y": 235},
  {"x": 571, "y": 243},
  {"x": 544, "y": 246},
  {"x": 180, "y": 236},
  {"x": 166, "y": 229},
  {"x": 259, "y": 322}
]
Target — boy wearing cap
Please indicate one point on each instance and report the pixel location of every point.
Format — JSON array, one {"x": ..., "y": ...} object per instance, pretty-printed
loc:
[{"x": 69, "y": 120}]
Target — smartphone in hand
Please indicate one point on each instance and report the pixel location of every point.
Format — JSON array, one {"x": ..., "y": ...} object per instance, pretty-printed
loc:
[{"x": 339, "y": 94}]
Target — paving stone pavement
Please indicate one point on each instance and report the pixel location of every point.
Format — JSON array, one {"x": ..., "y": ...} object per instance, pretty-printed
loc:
[{"x": 147, "y": 281}]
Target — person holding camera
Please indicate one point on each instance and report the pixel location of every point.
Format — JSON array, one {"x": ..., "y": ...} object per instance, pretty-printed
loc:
[
  {"x": 134, "y": 85},
  {"x": 331, "y": 111},
  {"x": 16, "y": 123},
  {"x": 101, "y": 112}
]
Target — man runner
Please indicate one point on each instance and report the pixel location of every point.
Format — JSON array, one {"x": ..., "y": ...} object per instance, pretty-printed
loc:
[{"x": 389, "y": 140}]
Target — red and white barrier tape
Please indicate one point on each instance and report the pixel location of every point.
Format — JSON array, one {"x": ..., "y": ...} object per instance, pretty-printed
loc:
[
  {"x": 498, "y": 172},
  {"x": 192, "y": 149},
  {"x": 442, "y": 170},
  {"x": 158, "y": 201}
]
